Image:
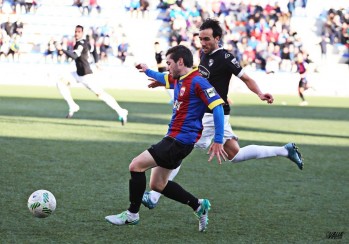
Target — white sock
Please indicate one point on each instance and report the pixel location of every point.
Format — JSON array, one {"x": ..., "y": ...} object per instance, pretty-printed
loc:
[
  {"x": 256, "y": 152},
  {"x": 154, "y": 195},
  {"x": 111, "y": 102},
  {"x": 65, "y": 92},
  {"x": 132, "y": 215}
]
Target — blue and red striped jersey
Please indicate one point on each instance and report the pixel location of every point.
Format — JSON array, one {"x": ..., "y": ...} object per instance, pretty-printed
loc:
[{"x": 192, "y": 95}]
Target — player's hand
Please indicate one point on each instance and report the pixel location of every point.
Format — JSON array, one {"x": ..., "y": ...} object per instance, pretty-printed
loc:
[
  {"x": 266, "y": 97},
  {"x": 141, "y": 67},
  {"x": 217, "y": 150},
  {"x": 154, "y": 83}
]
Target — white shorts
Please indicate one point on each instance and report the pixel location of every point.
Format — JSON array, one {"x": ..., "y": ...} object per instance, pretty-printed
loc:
[
  {"x": 88, "y": 82},
  {"x": 208, "y": 132}
]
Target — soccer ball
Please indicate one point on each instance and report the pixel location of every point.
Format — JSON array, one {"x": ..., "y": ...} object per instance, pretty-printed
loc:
[{"x": 42, "y": 203}]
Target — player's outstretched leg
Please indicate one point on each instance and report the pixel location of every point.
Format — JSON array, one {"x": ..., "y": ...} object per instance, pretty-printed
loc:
[
  {"x": 257, "y": 152},
  {"x": 123, "y": 116},
  {"x": 111, "y": 102},
  {"x": 294, "y": 155}
]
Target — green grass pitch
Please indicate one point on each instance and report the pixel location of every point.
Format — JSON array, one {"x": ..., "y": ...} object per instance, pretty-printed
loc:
[{"x": 84, "y": 162}]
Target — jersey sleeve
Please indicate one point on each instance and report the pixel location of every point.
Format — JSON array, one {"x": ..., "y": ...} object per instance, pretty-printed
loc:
[
  {"x": 233, "y": 64},
  {"x": 163, "y": 78},
  {"x": 207, "y": 92}
]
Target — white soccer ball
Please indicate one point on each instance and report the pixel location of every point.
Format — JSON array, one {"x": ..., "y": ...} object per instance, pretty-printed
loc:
[{"x": 42, "y": 203}]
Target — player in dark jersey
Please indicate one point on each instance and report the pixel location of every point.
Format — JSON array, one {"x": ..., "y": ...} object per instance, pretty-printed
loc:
[
  {"x": 83, "y": 75},
  {"x": 192, "y": 94},
  {"x": 218, "y": 66},
  {"x": 303, "y": 82}
]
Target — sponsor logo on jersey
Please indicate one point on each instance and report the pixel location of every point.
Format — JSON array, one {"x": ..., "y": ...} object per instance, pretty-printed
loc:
[
  {"x": 181, "y": 92},
  {"x": 227, "y": 55},
  {"x": 210, "y": 62},
  {"x": 204, "y": 72},
  {"x": 177, "y": 105},
  {"x": 235, "y": 62},
  {"x": 210, "y": 92}
]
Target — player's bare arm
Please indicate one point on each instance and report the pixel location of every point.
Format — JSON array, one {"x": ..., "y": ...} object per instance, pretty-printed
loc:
[{"x": 252, "y": 85}]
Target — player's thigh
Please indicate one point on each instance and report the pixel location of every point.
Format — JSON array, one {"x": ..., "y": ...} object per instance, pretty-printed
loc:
[
  {"x": 68, "y": 78},
  {"x": 142, "y": 162},
  {"x": 89, "y": 83}
]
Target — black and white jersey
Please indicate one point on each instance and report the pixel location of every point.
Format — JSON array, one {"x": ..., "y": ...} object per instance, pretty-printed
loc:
[
  {"x": 218, "y": 68},
  {"x": 81, "y": 55}
]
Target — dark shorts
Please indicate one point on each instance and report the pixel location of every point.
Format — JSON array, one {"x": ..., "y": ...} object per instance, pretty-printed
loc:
[
  {"x": 169, "y": 153},
  {"x": 303, "y": 83}
]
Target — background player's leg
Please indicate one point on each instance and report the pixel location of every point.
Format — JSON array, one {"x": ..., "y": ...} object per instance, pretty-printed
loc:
[
  {"x": 257, "y": 152},
  {"x": 63, "y": 88},
  {"x": 105, "y": 97},
  {"x": 154, "y": 196},
  {"x": 290, "y": 151}
]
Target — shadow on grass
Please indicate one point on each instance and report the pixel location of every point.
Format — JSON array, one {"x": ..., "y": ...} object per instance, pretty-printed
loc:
[{"x": 144, "y": 111}]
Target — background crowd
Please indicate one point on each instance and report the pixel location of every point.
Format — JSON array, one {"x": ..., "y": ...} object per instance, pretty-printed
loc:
[{"x": 259, "y": 33}]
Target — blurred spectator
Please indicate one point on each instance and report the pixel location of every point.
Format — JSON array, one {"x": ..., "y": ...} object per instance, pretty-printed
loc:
[
  {"x": 93, "y": 49},
  {"x": 4, "y": 46},
  {"x": 286, "y": 61},
  {"x": 195, "y": 48},
  {"x": 144, "y": 8},
  {"x": 123, "y": 50},
  {"x": 94, "y": 5},
  {"x": 18, "y": 27},
  {"x": 13, "y": 51},
  {"x": 133, "y": 7},
  {"x": 51, "y": 51},
  {"x": 291, "y": 6},
  {"x": 8, "y": 27},
  {"x": 160, "y": 58},
  {"x": 61, "y": 56},
  {"x": 104, "y": 47},
  {"x": 30, "y": 6},
  {"x": 323, "y": 48},
  {"x": 272, "y": 60}
]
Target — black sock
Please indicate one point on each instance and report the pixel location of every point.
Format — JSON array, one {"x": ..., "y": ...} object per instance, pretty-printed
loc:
[
  {"x": 137, "y": 185},
  {"x": 302, "y": 97},
  {"x": 175, "y": 192}
]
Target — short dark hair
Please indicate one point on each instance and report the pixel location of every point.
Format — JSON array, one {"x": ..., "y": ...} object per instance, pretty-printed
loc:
[
  {"x": 181, "y": 51},
  {"x": 80, "y": 26},
  {"x": 214, "y": 25}
]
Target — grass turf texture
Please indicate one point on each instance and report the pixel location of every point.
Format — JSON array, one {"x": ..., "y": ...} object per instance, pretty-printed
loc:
[{"x": 84, "y": 162}]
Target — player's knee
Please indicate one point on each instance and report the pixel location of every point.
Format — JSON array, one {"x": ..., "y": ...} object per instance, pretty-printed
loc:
[
  {"x": 101, "y": 95},
  {"x": 232, "y": 155},
  {"x": 157, "y": 186},
  {"x": 134, "y": 166},
  {"x": 232, "y": 148},
  {"x": 64, "y": 81}
]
